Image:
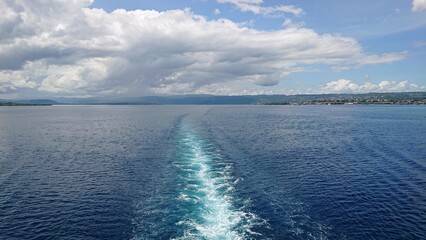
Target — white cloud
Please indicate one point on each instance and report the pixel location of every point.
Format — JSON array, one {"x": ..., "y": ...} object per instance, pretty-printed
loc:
[
  {"x": 64, "y": 48},
  {"x": 11, "y": 81},
  {"x": 81, "y": 76},
  {"x": 367, "y": 76},
  {"x": 419, "y": 43},
  {"x": 348, "y": 86},
  {"x": 419, "y": 5},
  {"x": 288, "y": 23},
  {"x": 255, "y": 7},
  {"x": 217, "y": 11}
]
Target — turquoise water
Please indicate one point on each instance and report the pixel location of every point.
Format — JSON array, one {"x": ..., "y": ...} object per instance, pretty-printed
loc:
[
  {"x": 207, "y": 201},
  {"x": 213, "y": 172}
]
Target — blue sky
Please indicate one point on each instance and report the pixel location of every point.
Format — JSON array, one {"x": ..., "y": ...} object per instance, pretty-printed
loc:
[{"x": 141, "y": 47}]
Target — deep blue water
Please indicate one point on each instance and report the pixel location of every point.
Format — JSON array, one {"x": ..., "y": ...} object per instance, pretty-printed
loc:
[{"x": 213, "y": 172}]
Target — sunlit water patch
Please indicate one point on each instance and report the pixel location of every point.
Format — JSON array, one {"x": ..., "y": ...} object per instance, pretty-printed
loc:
[{"x": 207, "y": 202}]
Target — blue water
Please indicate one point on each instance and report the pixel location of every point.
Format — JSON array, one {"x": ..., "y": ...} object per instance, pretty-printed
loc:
[{"x": 213, "y": 172}]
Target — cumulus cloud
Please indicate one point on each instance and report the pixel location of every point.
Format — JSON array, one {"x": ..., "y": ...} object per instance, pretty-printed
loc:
[
  {"x": 255, "y": 7},
  {"x": 11, "y": 81},
  {"x": 419, "y": 5},
  {"x": 348, "y": 86},
  {"x": 66, "y": 48}
]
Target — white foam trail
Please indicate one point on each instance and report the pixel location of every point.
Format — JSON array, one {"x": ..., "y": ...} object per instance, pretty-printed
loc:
[{"x": 206, "y": 187}]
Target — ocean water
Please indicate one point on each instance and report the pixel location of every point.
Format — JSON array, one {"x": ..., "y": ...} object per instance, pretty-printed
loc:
[{"x": 213, "y": 172}]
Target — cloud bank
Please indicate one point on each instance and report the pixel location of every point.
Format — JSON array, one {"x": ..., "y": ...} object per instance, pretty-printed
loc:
[
  {"x": 348, "y": 86},
  {"x": 66, "y": 48}
]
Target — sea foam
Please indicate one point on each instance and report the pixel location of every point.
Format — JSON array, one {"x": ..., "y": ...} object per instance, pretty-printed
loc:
[{"x": 207, "y": 192}]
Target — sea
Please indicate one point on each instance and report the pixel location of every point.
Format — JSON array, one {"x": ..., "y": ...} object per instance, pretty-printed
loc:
[{"x": 213, "y": 172}]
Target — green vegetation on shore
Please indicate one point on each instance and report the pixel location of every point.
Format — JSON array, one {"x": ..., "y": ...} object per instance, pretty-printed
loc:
[{"x": 412, "y": 98}]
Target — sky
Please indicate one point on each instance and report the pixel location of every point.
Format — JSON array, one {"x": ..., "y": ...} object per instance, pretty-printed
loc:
[{"x": 130, "y": 48}]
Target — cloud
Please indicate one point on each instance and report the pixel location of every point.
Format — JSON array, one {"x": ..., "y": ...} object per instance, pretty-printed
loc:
[
  {"x": 419, "y": 43},
  {"x": 348, "y": 86},
  {"x": 255, "y": 7},
  {"x": 367, "y": 76},
  {"x": 11, "y": 81},
  {"x": 216, "y": 11},
  {"x": 288, "y": 23},
  {"x": 65, "y": 48},
  {"x": 419, "y": 5}
]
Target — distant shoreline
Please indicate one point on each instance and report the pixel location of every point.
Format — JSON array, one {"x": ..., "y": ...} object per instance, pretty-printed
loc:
[
  {"x": 263, "y": 104},
  {"x": 14, "y": 104},
  {"x": 401, "y": 98}
]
